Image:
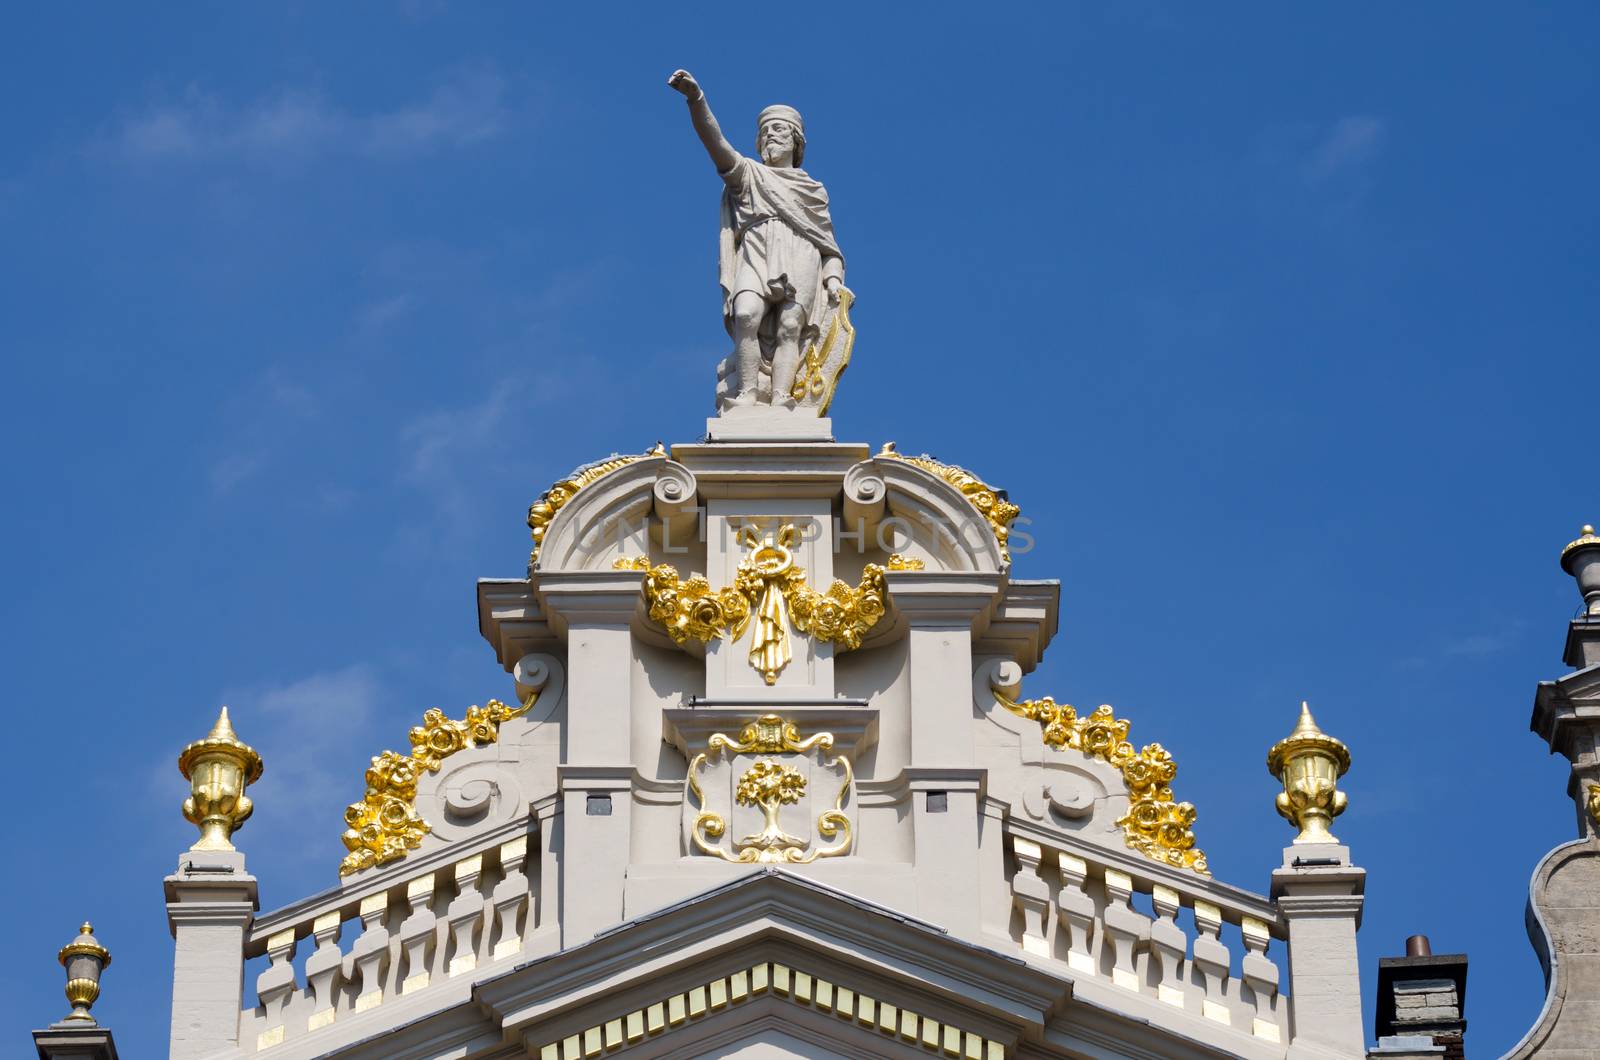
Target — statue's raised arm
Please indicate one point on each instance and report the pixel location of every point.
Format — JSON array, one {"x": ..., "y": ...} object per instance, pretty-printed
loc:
[
  {"x": 782, "y": 275},
  {"x": 705, "y": 123}
]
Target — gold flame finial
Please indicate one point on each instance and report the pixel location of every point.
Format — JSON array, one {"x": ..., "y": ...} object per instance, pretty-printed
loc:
[
  {"x": 1309, "y": 762},
  {"x": 223, "y": 729},
  {"x": 218, "y": 769},
  {"x": 84, "y": 959}
]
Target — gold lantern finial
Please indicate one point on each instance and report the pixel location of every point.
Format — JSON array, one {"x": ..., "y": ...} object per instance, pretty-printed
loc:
[
  {"x": 218, "y": 770},
  {"x": 1310, "y": 763},
  {"x": 84, "y": 959}
]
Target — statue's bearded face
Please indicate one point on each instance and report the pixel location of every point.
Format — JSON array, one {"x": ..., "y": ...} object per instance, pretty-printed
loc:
[{"x": 776, "y": 142}]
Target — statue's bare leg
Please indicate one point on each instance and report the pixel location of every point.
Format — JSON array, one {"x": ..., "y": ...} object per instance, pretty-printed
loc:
[
  {"x": 748, "y": 309},
  {"x": 786, "y": 355}
]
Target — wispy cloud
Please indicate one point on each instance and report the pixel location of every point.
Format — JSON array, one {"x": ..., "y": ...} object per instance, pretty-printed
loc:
[
  {"x": 377, "y": 315},
  {"x": 447, "y": 453},
  {"x": 259, "y": 419},
  {"x": 440, "y": 440},
  {"x": 1468, "y": 646},
  {"x": 306, "y": 730},
  {"x": 1346, "y": 148},
  {"x": 313, "y": 734},
  {"x": 297, "y": 124}
]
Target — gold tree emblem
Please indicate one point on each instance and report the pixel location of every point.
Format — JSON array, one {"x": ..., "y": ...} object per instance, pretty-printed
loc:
[{"x": 770, "y": 785}]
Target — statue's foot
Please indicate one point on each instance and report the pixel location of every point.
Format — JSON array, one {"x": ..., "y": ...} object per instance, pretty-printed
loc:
[
  {"x": 743, "y": 399},
  {"x": 787, "y": 403}
]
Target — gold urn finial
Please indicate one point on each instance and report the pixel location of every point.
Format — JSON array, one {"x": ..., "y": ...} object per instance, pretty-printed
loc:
[
  {"x": 1581, "y": 559},
  {"x": 84, "y": 959},
  {"x": 218, "y": 769},
  {"x": 1310, "y": 763}
]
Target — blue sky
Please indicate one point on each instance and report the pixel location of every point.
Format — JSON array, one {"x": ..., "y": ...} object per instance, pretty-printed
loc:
[{"x": 1274, "y": 322}]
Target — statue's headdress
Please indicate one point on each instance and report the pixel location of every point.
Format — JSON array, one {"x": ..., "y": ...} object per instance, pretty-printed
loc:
[{"x": 790, "y": 115}]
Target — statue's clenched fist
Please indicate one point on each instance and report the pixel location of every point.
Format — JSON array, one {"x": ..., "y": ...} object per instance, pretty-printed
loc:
[{"x": 684, "y": 82}]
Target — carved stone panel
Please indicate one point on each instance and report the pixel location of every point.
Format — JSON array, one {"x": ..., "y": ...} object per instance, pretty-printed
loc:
[{"x": 770, "y": 795}]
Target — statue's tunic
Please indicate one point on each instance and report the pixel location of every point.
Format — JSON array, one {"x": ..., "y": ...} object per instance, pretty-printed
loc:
[{"x": 777, "y": 238}]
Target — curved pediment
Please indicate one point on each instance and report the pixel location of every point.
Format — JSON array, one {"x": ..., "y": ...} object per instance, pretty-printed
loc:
[{"x": 586, "y": 521}]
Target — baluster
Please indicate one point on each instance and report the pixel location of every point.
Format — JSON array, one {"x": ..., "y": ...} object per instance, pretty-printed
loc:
[
  {"x": 1168, "y": 944},
  {"x": 370, "y": 953},
  {"x": 1125, "y": 927},
  {"x": 417, "y": 933},
  {"x": 1212, "y": 959},
  {"x": 465, "y": 915},
  {"x": 1261, "y": 976},
  {"x": 275, "y": 987},
  {"x": 1075, "y": 911},
  {"x": 322, "y": 970},
  {"x": 509, "y": 895},
  {"x": 1031, "y": 895}
]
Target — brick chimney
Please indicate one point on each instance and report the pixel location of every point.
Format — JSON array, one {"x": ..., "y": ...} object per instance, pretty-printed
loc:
[{"x": 1421, "y": 1010}]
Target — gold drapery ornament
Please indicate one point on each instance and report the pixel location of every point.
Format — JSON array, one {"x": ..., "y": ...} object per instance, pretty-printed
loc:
[
  {"x": 218, "y": 769},
  {"x": 1155, "y": 825},
  {"x": 768, "y": 592},
  {"x": 385, "y": 826},
  {"x": 1594, "y": 803},
  {"x": 990, "y": 501},
  {"x": 1309, "y": 762},
  {"x": 770, "y": 785},
  {"x": 558, "y": 495}
]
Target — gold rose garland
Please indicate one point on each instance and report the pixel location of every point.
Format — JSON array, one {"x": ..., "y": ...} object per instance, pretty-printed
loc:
[
  {"x": 1154, "y": 825},
  {"x": 385, "y": 826}
]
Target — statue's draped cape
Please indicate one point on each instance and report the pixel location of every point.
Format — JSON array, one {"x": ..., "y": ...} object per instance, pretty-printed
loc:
[{"x": 797, "y": 200}]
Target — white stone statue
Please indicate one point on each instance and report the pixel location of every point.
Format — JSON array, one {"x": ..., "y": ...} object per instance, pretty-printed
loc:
[{"x": 781, "y": 271}]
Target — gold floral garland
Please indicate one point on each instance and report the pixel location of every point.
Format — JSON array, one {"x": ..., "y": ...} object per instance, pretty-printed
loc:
[
  {"x": 1154, "y": 825},
  {"x": 385, "y": 826},
  {"x": 691, "y": 609}
]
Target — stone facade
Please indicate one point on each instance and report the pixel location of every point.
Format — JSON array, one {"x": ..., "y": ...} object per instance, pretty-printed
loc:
[{"x": 831, "y": 827}]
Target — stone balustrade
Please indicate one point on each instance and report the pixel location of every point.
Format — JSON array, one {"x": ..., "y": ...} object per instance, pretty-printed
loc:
[
  {"x": 1170, "y": 935},
  {"x": 403, "y": 938}
]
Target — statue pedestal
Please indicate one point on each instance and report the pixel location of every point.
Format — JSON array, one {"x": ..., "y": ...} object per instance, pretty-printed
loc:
[{"x": 766, "y": 423}]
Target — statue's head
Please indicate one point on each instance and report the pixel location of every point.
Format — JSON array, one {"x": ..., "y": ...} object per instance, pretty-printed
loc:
[{"x": 780, "y": 133}]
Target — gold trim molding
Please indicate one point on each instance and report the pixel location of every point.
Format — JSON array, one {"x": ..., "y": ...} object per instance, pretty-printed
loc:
[
  {"x": 1155, "y": 825},
  {"x": 385, "y": 826},
  {"x": 778, "y": 980},
  {"x": 769, "y": 785},
  {"x": 561, "y": 493},
  {"x": 990, "y": 501}
]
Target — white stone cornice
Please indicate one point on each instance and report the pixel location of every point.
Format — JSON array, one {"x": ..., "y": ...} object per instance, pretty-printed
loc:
[
  {"x": 946, "y": 599},
  {"x": 778, "y": 905},
  {"x": 512, "y": 620},
  {"x": 1024, "y": 623},
  {"x": 854, "y": 725},
  {"x": 771, "y": 470},
  {"x": 590, "y": 597}
]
